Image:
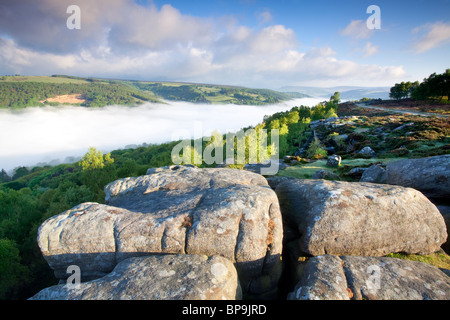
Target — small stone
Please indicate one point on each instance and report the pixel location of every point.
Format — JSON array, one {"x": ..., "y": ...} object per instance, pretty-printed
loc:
[
  {"x": 334, "y": 161},
  {"x": 367, "y": 152},
  {"x": 325, "y": 174}
]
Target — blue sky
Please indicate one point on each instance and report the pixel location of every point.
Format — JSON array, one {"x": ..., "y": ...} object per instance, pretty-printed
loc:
[{"x": 256, "y": 43}]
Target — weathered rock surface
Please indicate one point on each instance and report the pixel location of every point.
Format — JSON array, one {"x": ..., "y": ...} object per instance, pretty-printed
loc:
[
  {"x": 356, "y": 173},
  {"x": 367, "y": 152},
  {"x": 364, "y": 219},
  {"x": 445, "y": 211},
  {"x": 334, "y": 161},
  {"x": 325, "y": 174},
  {"x": 274, "y": 181},
  {"x": 269, "y": 168},
  {"x": 225, "y": 212},
  {"x": 374, "y": 174},
  {"x": 429, "y": 175},
  {"x": 331, "y": 277},
  {"x": 157, "y": 277}
]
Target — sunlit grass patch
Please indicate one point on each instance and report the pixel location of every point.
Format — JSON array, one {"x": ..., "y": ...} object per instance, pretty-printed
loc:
[
  {"x": 439, "y": 259},
  {"x": 306, "y": 171}
]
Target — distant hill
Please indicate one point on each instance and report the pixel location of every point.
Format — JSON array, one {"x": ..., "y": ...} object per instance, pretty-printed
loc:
[
  {"x": 347, "y": 92},
  {"x": 25, "y": 91},
  {"x": 214, "y": 94}
]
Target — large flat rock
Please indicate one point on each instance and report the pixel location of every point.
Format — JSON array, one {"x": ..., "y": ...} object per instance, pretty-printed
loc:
[
  {"x": 429, "y": 175},
  {"x": 158, "y": 277},
  {"x": 177, "y": 210},
  {"x": 330, "y": 277},
  {"x": 365, "y": 219}
]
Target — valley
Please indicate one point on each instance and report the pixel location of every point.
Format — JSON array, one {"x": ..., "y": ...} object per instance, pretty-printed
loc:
[{"x": 366, "y": 135}]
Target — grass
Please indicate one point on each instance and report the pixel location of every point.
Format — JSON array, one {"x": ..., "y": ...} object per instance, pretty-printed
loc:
[
  {"x": 306, "y": 171},
  {"x": 219, "y": 99},
  {"x": 439, "y": 259},
  {"x": 45, "y": 79}
]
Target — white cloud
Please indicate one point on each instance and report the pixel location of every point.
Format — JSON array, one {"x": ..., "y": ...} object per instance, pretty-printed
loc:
[
  {"x": 161, "y": 29},
  {"x": 369, "y": 50},
  {"x": 273, "y": 39},
  {"x": 437, "y": 34},
  {"x": 119, "y": 38},
  {"x": 357, "y": 29},
  {"x": 265, "y": 17}
]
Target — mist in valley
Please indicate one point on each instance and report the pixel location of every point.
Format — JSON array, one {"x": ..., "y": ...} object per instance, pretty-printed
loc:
[{"x": 63, "y": 134}]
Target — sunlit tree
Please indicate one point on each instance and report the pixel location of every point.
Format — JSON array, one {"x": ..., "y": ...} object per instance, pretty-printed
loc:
[{"x": 94, "y": 159}]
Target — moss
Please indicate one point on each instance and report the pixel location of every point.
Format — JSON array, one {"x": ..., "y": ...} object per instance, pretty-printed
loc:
[{"x": 439, "y": 259}]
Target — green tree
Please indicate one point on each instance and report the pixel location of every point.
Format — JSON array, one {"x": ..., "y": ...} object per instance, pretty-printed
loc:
[
  {"x": 283, "y": 140},
  {"x": 108, "y": 159},
  {"x": 304, "y": 112},
  {"x": 128, "y": 168},
  {"x": 315, "y": 150},
  {"x": 275, "y": 124},
  {"x": 436, "y": 86},
  {"x": 13, "y": 273},
  {"x": 400, "y": 90},
  {"x": 4, "y": 176},
  {"x": 412, "y": 88},
  {"x": 330, "y": 113},
  {"x": 335, "y": 98},
  {"x": 20, "y": 172},
  {"x": 192, "y": 155},
  {"x": 94, "y": 159},
  {"x": 76, "y": 195},
  {"x": 293, "y": 117},
  {"x": 318, "y": 112}
]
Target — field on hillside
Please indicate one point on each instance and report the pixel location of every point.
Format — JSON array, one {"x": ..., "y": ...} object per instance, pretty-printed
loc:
[
  {"x": 28, "y": 91},
  {"x": 43, "y": 79}
]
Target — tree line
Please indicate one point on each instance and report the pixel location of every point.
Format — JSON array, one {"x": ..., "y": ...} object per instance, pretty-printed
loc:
[
  {"x": 197, "y": 94},
  {"x": 96, "y": 94},
  {"x": 292, "y": 124},
  {"x": 174, "y": 93},
  {"x": 436, "y": 86}
]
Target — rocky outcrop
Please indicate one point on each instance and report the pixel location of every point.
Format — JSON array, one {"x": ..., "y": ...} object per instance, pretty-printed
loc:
[
  {"x": 157, "y": 277},
  {"x": 429, "y": 175},
  {"x": 180, "y": 232},
  {"x": 374, "y": 174},
  {"x": 226, "y": 212},
  {"x": 330, "y": 277},
  {"x": 365, "y": 219}
]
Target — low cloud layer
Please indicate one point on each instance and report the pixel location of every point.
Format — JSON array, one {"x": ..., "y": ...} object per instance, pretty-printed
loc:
[
  {"x": 120, "y": 38},
  {"x": 44, "y": 134}
]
